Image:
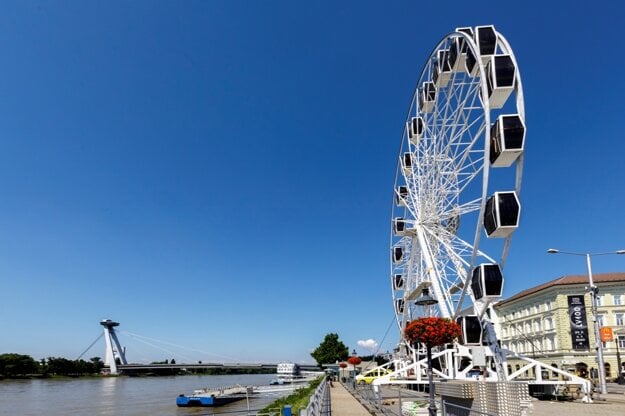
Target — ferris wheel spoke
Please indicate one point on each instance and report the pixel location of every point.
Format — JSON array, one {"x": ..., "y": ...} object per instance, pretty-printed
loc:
[{"x": 456, "y": 246}]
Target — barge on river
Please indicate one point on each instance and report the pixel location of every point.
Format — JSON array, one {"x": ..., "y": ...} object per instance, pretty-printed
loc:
[{"x": 214, "y": 397}]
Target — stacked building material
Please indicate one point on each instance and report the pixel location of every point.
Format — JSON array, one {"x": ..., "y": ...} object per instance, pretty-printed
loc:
[
  {"x": 496, "y": 398},
  {"x": 459, "y": 389}
]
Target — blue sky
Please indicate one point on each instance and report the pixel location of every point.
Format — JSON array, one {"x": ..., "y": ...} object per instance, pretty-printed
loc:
[{"x": 219, "y": 174}]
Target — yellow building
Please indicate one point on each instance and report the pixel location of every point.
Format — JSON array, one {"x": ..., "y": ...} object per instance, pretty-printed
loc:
[{"x": 553, "y": 323}]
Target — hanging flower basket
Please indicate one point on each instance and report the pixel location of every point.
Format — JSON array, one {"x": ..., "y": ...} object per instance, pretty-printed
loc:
[
  {"x": 354, "y": 360},
  {"x": 343, "y": 365},
  {"x": 431, "y": 331}
]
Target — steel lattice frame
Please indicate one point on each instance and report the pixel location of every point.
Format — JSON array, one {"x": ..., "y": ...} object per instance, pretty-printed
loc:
[{"x": 448, "y": 183}]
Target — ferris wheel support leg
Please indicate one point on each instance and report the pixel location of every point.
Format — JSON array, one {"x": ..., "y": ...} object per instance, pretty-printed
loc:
[
  {"x": 498, "y": 355},
  {"x": 432, "y": 273}
]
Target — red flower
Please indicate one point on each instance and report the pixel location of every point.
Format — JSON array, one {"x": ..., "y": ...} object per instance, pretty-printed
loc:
[
  {"x": 431, "y": 331},
  {"x": 354, "y": 360}
]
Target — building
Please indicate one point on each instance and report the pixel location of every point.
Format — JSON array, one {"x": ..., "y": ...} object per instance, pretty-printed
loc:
[{"x": 553, "y": 323}]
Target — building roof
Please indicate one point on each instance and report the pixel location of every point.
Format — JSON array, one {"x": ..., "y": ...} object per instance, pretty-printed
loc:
[{"x": 574, "y": 279}]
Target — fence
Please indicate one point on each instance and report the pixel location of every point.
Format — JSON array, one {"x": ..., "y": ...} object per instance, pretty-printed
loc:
[
  {"x": 319, "y": 403},
  {"x": 452, "y": 409},
  {"x": 393, "y": 401}
]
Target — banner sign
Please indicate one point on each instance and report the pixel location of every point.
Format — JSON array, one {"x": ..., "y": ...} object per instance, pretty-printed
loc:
[{"x": 579, "y": 324}]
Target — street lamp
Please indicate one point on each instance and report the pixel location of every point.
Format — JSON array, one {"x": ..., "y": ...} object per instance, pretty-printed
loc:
[
  {"x": 593, "y": 290},
  {"x": 426, "y": 300}
]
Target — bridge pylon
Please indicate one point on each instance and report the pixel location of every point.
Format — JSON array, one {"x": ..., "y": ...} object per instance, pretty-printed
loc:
[{"x": 114, "y": 350}]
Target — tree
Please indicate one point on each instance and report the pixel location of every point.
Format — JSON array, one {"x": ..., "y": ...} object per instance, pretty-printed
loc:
[
  {"x": 330, "y": 350},
  {"x": 98, "y": 365},
  {"x": 17, "y": 365}
]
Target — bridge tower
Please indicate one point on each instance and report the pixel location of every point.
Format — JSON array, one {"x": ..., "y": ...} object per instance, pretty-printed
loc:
[{"x": 114, "y": 350}]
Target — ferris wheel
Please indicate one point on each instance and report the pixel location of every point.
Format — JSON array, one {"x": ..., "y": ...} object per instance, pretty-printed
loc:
[{"x": 456, "y": 192}]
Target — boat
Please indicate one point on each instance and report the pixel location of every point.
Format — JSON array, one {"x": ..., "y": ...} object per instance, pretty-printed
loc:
[
  {"x": 290, "y": 373},
  {"x": 214, "y": 397}
]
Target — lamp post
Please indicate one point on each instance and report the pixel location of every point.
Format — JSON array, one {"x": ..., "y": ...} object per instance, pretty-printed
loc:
[
  {"x": 619, "y": 363},
  {"x": 354, "y": 360},
  {"x": 426, "y": 300},
  {"x": 593, "y": 290}
]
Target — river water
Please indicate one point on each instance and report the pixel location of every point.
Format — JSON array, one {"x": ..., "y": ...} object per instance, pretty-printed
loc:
[{"x": 121, "y": 396}]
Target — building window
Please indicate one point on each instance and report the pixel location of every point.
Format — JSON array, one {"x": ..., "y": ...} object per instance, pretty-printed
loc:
[
  {"x": 549, "y": 344},
  {"x": 599, "y": 300},
  {"x": 621, "y": 342},
  {"x": 619, "y": 319},
  {"x": 601, "y": 318},
  {"x": 548, "y": 323},
  {"x": 618, "y": 300}
]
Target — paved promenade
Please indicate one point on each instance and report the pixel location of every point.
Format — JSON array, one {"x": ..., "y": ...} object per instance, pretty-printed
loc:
[
  {"x": 611, "y": 404},
  {"x": 344, "y": 404}
]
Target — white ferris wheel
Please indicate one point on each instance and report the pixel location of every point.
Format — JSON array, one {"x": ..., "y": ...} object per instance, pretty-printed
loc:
[
  {"x": 456, "y": 193},
  {"x": 456, "y": 206}
]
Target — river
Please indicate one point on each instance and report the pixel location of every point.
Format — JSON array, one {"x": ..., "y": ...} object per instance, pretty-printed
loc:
[{"x": 121, "y": 396}]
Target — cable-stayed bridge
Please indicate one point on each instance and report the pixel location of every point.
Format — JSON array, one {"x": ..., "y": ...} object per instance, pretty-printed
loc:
[{"x": 115, "y": 361}]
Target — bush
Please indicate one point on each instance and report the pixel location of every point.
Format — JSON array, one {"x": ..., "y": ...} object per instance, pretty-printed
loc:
[{"x": 297, "y": 400}]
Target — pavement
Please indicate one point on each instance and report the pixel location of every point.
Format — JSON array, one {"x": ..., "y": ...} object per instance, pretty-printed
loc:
[
  {"x": 344, "y": 404},
  {"x": 611, "y": 404}
]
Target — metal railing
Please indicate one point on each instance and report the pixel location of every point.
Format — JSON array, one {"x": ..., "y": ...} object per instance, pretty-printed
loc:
[
  {"x": 319, "y": 403},
  {"x": 392, "y": 401},
  {"x": 452, "y": 409}
]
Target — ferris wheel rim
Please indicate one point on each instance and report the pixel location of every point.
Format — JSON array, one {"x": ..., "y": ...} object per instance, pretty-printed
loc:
[{"x": 483, "y": 136}]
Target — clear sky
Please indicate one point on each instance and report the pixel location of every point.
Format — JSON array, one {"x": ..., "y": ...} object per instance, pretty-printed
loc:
[{"x": 218, "y": 174}]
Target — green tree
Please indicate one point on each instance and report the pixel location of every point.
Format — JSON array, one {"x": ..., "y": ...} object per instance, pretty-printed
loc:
[
  {"x": 62, "y": 366},
  {"x": 330, "y": 350},
  {"x": 17, "y": 365},
  {"x": 97, "y": 363}
]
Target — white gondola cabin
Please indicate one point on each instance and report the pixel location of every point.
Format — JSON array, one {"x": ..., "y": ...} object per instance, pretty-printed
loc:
[
  {"x": 400, "y": 227},
  {"x": 487, "y": 282},
  {"x": 502, "y": 212},
  {"x": 401, "y": 193},
  {"x": 471, "y": 330},
  {"x": 442, "y": 69},
  {"x": 427, "y": 97},
  {"x": 398, "y": 281},
  {"x": 507, "y": 139},
  {"x": 406, "y": 163},
  {"x": 398, "y": 254},
  {"x": 415, "y": 129},
  {"x": 399, "y": 304},
  {"x": 486, "y": 40},
  {"x": 458, "y": 50},
  {"x": 471, "y": 63},
  {"x": 500, "y": 79}
]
